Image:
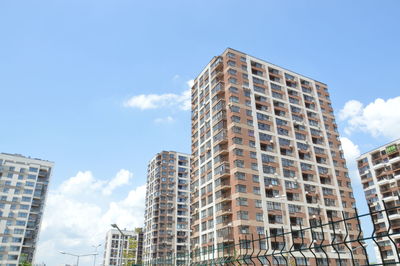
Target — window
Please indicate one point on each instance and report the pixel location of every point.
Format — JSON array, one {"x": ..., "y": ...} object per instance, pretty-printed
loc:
[
  {"x": 256, "y": 190},
  {"x": 243, "y": 215},
  {"x": 273, "y": 206},
  {"x": 239, "y": 163},
  {"x": 277, "y": 95},
  {"x": 234, "y": 99},
  {"x": 238, "y": 152},
  {"x": 240, "y": 188},
  {"x": 236, "y": 129},
  {"x": 259, "y": 217},
  {"x": 33, "y": 169},
  {"x": 241, "y": 201},
  {"x": 263, "y": 126},
  {"x": 240, "y": 175},
  {"x": 265, "y": 137},
  {"x": 262, "y": 117},
  {"x": 287, "y": 163},
  {"x": 267, "y": 158},
  {"x": 233, "y": 89},
  {"x": 261, "y": 231},
  {"x": 235, "y": 109},
  {"x": 267, "y": 169},
  {"x": 256, "y": 179},
  {"x": 237, "y": 140},
  {"x": 235, "y": 119}
]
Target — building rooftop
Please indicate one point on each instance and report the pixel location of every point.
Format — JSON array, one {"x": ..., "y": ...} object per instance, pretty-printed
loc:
[
  {"x": 16, "y": 155},
  {"x": 378, "y": 148}
]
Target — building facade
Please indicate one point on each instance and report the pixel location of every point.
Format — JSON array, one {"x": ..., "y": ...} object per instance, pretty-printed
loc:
[
  {"x": 266, "y": 156},
  {"x": 124, "y": 249},
  {"x": 166, "y": 226},
  {"x": 23, "y": 189},
  {"x": 379, "y": 170}
]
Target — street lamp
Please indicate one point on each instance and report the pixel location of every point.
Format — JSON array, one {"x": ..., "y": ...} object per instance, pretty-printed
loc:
[
  {"x": 77, "y": 256},
  {"x": 95, "y": 250},
  {"x": 122, "y": 242}
]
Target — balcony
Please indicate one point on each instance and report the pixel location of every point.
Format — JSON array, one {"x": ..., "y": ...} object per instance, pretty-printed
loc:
[
  {"x": 220, "y": 149},
  {"x": 218, "y": 88},
  {"x": 221, "y": 138},
  {"x": 225, "y": 198},
  {"x": 217, "y": 63},
  {"x": 224, "y": 187},
  {"x": 222, "y": 170},
  {"x": 384, "y": 180},
  {"x": 225, "y": 238},
  {"x": 394, "y": 160}
]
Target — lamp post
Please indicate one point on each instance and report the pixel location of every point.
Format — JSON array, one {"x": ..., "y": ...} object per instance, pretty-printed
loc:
[
  {"x": 95, "y": 250},
  {"x": 122, "y": 242},
  {"x": 77, "y": 255}
]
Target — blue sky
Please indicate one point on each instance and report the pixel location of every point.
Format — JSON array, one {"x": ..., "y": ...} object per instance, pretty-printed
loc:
[{"x": 68, "y": 67}]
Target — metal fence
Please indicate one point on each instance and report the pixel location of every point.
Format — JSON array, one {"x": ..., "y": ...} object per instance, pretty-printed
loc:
[{"x": 342, "y": 249}]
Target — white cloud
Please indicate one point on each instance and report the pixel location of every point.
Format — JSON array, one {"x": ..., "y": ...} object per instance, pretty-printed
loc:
[
  {"x": 190, "y": 83},
  {"x": 123, "y": 177},
  {"x": 79, "y": 212},
  {"x": 379, "y": 118},
  {"x": 156, "y": 101},
  {"x": 351, "y": 150},
  {"x": 351, "y": 153},
  {"x": 164, "y": 120}
]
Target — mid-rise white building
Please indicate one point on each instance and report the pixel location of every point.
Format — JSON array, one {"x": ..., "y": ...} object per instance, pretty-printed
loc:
[
  {"x": 127, "y": 248},
  {"x": 379, "y": 170},
  {"x": 166, "y": 229},
  {"x": 23, "y": 189}
]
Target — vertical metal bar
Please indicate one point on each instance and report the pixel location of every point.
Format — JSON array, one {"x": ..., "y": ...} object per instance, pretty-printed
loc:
[
  {"x": 273, "y": 251},
  {"x": 240, "y": 251},
  {"x": 359, "y": 235},
  {"x": 310, "y": 247},
  {"x": 267, "y": 246},
  {"x": 373, "y": 233},
  {"x": 334, "y": 240},
  {"x": 291, "y": 247},
  {"x": 302, "y": 242},
  {"x": 284, "y": 245},
  {"x": 252, "y": 250},
  {"x": 345, "y": 238},
  {"x": 246, "y": 249},
  {"x": 322, "y": 241},
  {"x": 259, "y": 249}
]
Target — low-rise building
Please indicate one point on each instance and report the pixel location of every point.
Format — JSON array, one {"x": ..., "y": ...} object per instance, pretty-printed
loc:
[{"x": 127, "y": 247}]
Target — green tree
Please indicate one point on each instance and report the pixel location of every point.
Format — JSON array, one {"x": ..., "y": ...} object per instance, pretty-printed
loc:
[
  {"x": 130, "y": 252},
  {"x": 24, "y": 261}
]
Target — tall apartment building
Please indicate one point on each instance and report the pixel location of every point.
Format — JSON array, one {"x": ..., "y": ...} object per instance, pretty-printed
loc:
[
  {"x": 124, "y": 249},
  {"x": 266, "y": 155},
  {"x": 379, "y": 170},
  {"x": 166, "y": 229},
  {"x": 23, "y": 189}
]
